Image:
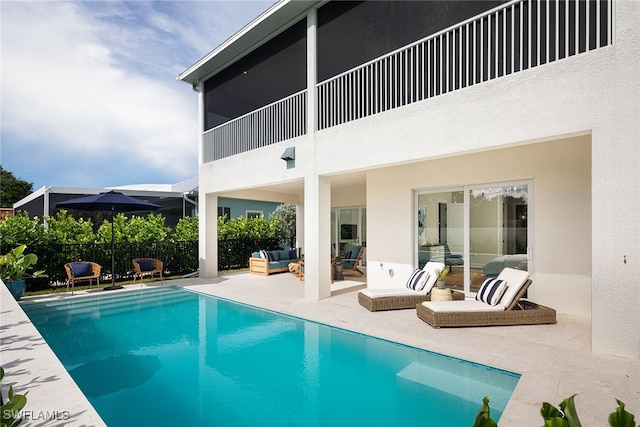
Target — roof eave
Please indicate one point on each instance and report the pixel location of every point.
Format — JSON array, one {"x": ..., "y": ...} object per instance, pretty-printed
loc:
[{"x": 266, "y": 26}]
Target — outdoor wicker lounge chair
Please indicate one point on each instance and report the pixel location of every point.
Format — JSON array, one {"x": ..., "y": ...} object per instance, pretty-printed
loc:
[
  {"x": 509, "y": 309},
  {"x": 403, "y": 298}
]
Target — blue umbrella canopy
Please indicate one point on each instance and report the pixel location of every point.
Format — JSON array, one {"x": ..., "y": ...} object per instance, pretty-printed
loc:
[
  {"x": 112, "y": 201},
  {"x": 108, "y": 201}
]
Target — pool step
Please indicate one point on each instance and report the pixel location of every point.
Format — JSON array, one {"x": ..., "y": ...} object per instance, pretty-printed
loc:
[
  {"x": 456, "y": 383},
  {"x": 108, "y": 303}
]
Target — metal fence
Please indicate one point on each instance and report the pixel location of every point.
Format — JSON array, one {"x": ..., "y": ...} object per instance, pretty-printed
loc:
[
  {"x": 235, "y": 253},
  {"x": 178, "y": 258}
]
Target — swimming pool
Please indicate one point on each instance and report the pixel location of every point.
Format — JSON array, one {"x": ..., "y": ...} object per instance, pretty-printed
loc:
[{"x": 155, "y": 356}]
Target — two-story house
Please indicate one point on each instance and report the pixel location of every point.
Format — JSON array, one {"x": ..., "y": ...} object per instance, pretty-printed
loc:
[{"x": 503, "y": 131}]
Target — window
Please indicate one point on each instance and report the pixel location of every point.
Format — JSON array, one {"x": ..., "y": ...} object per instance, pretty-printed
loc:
[
  {"x": 222, "y": 211},
  {"x": 254, "y": 214},
  {"x": 475, "y": 230}
]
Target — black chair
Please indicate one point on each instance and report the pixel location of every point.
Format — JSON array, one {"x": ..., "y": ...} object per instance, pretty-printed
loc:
[{"x": 450, "y": 259}]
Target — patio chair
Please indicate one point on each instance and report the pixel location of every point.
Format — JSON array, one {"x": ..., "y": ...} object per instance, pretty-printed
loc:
[
  {"x": 489, "y": 308},
  {"x": 147, "y": 267},
  {"x": 407, "y": 296},
  {"x": 450, "y": 259},
  {"x": 82, "y": 271},
  {"x": 351, "y": 261}
]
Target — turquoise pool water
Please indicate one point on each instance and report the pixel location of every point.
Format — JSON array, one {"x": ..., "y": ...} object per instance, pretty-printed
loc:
[{"x": 167, "y": 356}]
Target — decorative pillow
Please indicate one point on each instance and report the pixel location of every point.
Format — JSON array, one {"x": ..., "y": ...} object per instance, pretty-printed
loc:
[
  {"x": 256, "y": 254},
  {"x": 491, "y": 291},
  {"x": 283, "y": 255},
  {"x": 263, "y": 254},
  {"x": 347, "y": 255},
  {"x": 81, "y": 269},
  {"x": 145, "y": 265},
  {"x": 417, "y": 280},
  {"x": 273, "y": 256},
  {"x": 293, "y": 254}
]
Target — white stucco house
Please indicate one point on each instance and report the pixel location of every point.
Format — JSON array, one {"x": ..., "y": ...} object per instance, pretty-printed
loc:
[{"x": 502, "y": 128}]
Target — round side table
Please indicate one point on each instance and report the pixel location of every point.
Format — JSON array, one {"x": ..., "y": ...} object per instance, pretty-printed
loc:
[{"x": 438, "y": 294}]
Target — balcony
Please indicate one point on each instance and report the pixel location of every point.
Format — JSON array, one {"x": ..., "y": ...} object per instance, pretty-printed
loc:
[{"x": 514, "y": 37}]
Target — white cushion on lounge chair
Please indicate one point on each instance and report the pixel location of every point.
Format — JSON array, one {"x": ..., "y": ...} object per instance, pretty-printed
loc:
[
  {"x": 393, "y": 292},
  {"x": 515, "y": 281},
  {"x": 460, "y": 306},
  {"x": 434, "y": 269}
]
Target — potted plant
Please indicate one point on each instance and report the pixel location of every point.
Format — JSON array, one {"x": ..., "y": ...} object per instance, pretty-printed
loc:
[
  {"x": 442, "y": 276},
  {"x": 13, "y": 270},
  {"x": 337, "y": 268}
]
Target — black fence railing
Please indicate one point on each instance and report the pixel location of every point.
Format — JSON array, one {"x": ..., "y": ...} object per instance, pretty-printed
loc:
[
  {"x": 235, "y": 253},
  {"x": 178, "y": 258}
]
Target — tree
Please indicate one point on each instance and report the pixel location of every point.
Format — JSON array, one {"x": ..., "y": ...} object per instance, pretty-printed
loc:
[
  {"x": 12, "y": 189},
  {"x": 186, "y": 229},
  {"x": 19, "y": 229},
  {"x": 286, "y": 214},
  {"x": 250, "y": 228},
  {"x": 63, "y": 228}
]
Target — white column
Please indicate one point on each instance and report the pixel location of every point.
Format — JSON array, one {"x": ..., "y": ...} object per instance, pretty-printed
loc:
[
  {"x": 300, "y": 226},
  {"x": 208, "y": 235},
  {"x": 312, "y": 75},
  {"x": 317, "y": 233}
]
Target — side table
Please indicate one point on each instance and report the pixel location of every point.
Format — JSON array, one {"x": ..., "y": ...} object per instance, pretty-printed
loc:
[{"x": 438, "y": 294}]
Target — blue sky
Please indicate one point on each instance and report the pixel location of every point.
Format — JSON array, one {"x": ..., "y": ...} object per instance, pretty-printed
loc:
[{"x": 89, "y": 93}]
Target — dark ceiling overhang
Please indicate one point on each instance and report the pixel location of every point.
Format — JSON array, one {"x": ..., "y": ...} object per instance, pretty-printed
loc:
[{"x": 262, "y": 29}]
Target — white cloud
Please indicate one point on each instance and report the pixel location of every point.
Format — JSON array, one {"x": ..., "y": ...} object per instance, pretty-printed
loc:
[
  {"x": 95, "y": 81},
  {"x": 63, "y": 86}
]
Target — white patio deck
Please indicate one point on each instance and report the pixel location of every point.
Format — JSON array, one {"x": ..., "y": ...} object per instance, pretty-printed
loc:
[{"x": 555, "y": 361}]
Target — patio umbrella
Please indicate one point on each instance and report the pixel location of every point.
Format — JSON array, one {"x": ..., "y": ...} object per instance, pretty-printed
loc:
[{"x": 112, "y": 201}]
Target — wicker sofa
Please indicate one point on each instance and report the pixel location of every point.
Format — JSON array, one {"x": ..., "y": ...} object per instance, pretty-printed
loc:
[{"x": 269, "y": 262}]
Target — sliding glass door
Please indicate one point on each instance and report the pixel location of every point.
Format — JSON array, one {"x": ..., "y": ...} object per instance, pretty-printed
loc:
[
  {"x": 476, "y": 231},
  {"x": 498, "y": 232},
  {"x": 348, "y": 228}
]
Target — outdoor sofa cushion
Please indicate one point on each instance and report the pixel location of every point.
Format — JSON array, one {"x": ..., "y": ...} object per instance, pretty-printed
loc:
[
  {"x": 276, "y": 261},
  {"x": 350, "y": 254},
  {"x": 145, "y": 265},
  {"x": 81, "y": 269}
]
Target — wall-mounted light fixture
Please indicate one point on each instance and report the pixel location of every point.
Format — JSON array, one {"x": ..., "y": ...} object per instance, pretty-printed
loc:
[
  {"x": 195, "y": 87},
  {"x": 289, "y": 156}
]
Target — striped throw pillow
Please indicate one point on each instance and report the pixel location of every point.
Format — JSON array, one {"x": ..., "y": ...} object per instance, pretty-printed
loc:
[
  {"x": 491, "y": 291},
  {"x": 418, "y": 279}
]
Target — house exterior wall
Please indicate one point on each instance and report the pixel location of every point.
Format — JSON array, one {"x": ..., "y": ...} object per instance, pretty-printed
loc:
[
  {"x": 559, "y": 213},
  {"x": 239, "y": 207},
  {"x": 571, "y": 126}
]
